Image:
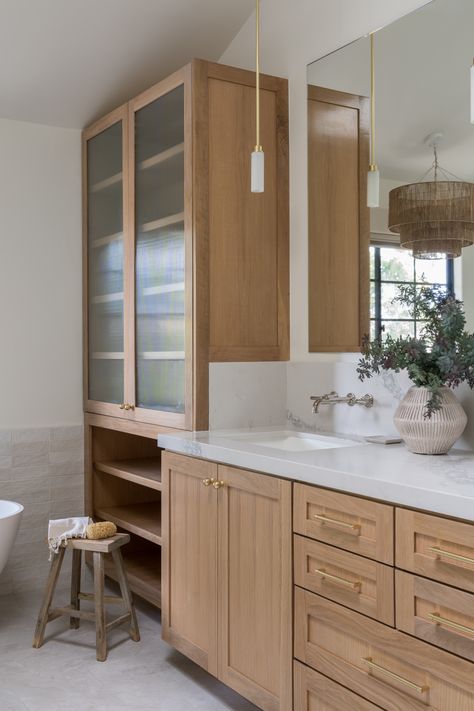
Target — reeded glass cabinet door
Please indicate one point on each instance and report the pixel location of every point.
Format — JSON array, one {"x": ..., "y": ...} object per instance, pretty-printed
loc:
[
  {"x": 105, "y": 264},
  {"x": 161, "y": 297}
]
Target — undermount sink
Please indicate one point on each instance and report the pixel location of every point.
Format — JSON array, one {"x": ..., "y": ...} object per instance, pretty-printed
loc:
[{"x": 289, "y": 441}]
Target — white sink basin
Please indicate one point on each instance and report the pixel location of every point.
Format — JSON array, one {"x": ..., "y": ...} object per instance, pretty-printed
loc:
[{"x": 289, "y": 441}]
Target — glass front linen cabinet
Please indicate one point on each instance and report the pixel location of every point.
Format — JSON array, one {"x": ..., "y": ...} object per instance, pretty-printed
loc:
[{"x": 138, "y": 256}]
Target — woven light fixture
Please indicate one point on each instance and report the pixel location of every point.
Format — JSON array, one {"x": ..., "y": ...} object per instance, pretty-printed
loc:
[{"x": 435, "y": 219}]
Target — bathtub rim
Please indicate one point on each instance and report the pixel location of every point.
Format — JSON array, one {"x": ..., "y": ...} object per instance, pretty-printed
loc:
[{"x": 14, "y": 511}]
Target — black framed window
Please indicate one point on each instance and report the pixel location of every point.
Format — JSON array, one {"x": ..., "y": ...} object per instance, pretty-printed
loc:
[{"x": 390, "y": 266}]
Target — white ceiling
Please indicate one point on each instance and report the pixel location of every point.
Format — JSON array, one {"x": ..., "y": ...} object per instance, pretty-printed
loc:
[
  {"x": 422, "y": 85},
  {"x": 67, "y": 62}
]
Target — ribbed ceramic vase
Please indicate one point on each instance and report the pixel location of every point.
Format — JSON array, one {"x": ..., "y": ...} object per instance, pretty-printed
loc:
[{"x": 434, "y": 435}]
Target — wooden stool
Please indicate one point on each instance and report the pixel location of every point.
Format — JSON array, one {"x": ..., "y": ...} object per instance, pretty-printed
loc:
[{"x": 98, "y": 549}]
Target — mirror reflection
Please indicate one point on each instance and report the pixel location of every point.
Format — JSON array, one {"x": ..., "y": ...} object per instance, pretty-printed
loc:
[{"x": 423, "y": 193}]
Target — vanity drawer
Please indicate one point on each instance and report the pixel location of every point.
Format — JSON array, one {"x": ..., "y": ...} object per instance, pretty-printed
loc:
[
  {"x": 356, "y": 582},
  {"x": 314, "y": 692},
  {"x": 436, "y": 548},
  {"x": 357, "y": 525},
  {"x": 436, "y": 613},
  {"x": 389, "y": 668}
]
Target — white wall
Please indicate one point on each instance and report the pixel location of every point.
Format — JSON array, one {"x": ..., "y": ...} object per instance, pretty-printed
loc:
[{"x": 40, "y": 276}]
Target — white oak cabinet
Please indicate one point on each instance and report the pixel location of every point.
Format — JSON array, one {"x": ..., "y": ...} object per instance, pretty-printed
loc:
[{"x": 227, "y": 589}]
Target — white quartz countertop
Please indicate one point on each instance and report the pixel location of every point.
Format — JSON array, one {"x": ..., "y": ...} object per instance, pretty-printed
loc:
[{"x": 442, "y": 484}]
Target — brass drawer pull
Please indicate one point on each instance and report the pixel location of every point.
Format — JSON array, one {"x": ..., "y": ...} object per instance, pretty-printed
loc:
[
  {"x": 218, "y": 484},
  {"x": 334, "y": 522},
  {"x": 447, "y": 554},
  {"x": 355, "y": 586},
  {"x": 435, "y": 617},
  {"x": 207, "y": 482},
  {"x": 406, "y": 682}
]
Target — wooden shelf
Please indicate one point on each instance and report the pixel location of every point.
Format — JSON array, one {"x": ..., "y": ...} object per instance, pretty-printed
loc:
[
  {"x": 163, "y": 289},
  {"x": 146, "y": 472},
  {"x": 161, "y": 157},
  {"x": 107, "y": 239},
  {"x": 143, "y": 570},
  {"x": 142, "y": 519},
  {"x": 106, "y": 183},
  {"x": 107, "y": 298},
  {"x": 163, "y": 222},
  {"x": 107, "y": 355},
  {"x": 162, "y": 355}
]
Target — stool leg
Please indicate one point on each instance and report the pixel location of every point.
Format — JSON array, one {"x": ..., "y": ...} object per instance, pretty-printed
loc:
[
  {"x": 54, "y": 571},
  {"x": 127, "y": 598},
  {"x": 75, "y": 587},
  {"x": 100, "y": 631}
]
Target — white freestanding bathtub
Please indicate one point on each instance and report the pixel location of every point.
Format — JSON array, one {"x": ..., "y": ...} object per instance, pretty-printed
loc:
[{"x": 10, "y": 517}]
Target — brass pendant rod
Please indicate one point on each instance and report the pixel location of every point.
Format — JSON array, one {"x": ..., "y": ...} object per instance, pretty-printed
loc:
[
  {"x": 258, "y": 147},
  {"x": 373, "y": 165}
]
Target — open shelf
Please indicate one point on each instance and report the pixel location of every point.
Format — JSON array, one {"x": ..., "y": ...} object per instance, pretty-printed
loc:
[
  {"x": 146, "y": 472},
  {"x": 161, "y": 157},
  {"x": 163, "y": 222},
  {"x": 142, "y": 519},
  {"x": 143, "y": 568}
]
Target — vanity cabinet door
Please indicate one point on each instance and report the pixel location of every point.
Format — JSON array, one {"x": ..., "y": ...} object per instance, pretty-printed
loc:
[
  {"x": 315, "y": 692},
  {"x": 254, "y": 596},
  {"x": 189, "y": 558}
]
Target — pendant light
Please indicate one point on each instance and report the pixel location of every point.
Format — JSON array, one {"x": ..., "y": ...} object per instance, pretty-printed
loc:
[
  {"x": 257, "y": 163},
  {"x": 373, "y": 176},
  {"x": 472, "y": 92},
  {"x": 435, "y": 218}
]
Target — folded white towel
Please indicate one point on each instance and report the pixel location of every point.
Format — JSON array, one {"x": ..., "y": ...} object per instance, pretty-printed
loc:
[{"x": 60, "y": 529}]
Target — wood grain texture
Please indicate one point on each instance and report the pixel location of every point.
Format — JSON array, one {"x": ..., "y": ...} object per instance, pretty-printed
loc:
[
  {"x": 338, "y": 220},
  {"x": 335, "y": 641},
  {"x": 189, "y": 559},
  {"x": 375, "y": 593},
  {"x": 254, "y": 587},
  {"x": 315, "y": 692},
  {"x": 374, "y": 538},
  {"x": 417, "y": 532},
  {"x": 417, "y": 598},
  {"x": 248, "y": 233}
]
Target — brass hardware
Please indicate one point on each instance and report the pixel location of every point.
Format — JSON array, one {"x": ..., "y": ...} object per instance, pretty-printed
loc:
[
  {"x": 435, "y": 617},
  {"x": 207, "y": 482},
  {"x": 218, "y": 484},
  {"x": 122, "y": 406},
  {"x": 406, "y": 682},
  {"x": 335, "y": 522},
  {"x": 447, "y": 554},
  {"x": 355, "y": 586},
  {"x": 126, "y": 406}
]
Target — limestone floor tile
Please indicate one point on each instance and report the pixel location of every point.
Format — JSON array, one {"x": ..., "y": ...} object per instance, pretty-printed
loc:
[{"x": 63, "y": 675}]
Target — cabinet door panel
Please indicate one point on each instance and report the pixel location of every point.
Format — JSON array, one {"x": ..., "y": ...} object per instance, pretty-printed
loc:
[
  {"x": 254, "y": 608},
  {"x": 315, "y": 692},
  {"x": 189, "y": 558},
  {"x": 105, "y": 159}
]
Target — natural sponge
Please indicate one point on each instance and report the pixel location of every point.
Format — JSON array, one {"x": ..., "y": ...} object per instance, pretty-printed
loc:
[{"x": 103, "y": 529}]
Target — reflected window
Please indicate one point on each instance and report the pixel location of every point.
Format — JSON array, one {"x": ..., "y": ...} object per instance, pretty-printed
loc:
[{"x": 390, "y": 266}]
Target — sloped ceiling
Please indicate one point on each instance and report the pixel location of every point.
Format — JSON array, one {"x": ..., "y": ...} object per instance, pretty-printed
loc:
[{"x": 66, "y": 62}]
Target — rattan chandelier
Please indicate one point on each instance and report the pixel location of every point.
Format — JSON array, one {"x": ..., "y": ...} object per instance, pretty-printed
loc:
[{"x": 435, "y": 219}]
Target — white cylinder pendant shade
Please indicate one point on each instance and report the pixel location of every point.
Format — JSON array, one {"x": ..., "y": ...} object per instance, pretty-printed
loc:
[
  {"x": 472, "y": 94},
  {"x": 373, "y": 188},
  {"x": 257, "y": 172}
]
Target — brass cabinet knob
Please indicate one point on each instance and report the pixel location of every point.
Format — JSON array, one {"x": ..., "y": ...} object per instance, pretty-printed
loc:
[
  {"x": 122, "y": 406},
  {"x": 207, "y": 482},
  {"x": 218, "y": 484},
  {"x": 127, "y": 406}
]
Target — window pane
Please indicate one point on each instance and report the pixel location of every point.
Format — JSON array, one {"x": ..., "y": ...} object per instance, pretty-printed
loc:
[
  {"x": 398, "y": 328},
  {"x": 372, "y": 262},
  {"x": 431, "y": 270},
  {"x": 391, "y": 309},
  {"x": 397, "y": 264},
  {"x": 372, "y": 300}
]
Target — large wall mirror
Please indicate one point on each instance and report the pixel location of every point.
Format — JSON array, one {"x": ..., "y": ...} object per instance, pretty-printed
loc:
[{"x": 422, "y": 103}]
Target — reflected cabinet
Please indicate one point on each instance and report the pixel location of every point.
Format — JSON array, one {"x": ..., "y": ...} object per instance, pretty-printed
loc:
[{"x": 182, "y": 263}]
